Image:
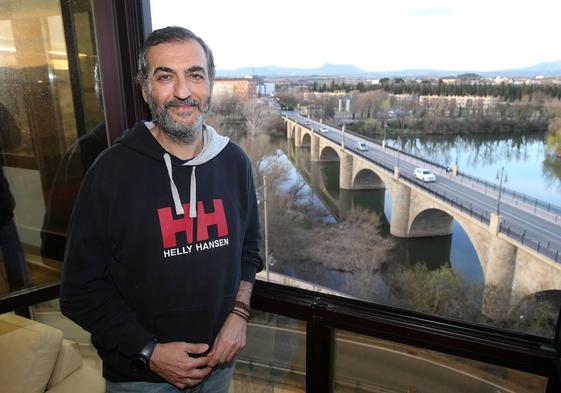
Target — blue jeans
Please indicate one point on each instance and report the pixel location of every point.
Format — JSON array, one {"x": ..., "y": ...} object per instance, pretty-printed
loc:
[{"x": 217, "y": 382}]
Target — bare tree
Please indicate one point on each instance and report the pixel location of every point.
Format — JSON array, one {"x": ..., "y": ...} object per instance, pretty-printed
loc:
[
  {"x": 351, "y": 245},
  {"x": 256, "y": 113}
]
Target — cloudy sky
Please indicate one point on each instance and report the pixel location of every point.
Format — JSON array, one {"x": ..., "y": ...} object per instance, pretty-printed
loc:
[{"x": 479, "y": 35}]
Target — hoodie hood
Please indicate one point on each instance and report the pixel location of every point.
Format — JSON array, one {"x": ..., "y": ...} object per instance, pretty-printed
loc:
[{"x": 140, "y": 138}]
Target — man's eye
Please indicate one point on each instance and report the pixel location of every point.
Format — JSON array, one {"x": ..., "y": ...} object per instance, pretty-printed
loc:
[
  {"x": 163, "y": 78},
  {"x": 197, "y": 77}
]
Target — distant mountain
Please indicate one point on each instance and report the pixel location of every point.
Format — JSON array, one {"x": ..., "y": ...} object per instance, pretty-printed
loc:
[
  {"x": 325, "y": 70},
  {"x": 545, "y": 69}
]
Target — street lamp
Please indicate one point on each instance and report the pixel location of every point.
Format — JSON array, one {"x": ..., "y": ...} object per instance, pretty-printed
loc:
[
  {"x": 384, "y": 140},
  {"x": 263, "y": 198},
  {"x": 343, "y": 140},
  {"x": 398, "y": 150},
  {"x": 265, "y": 221},
  {"x": 501, "y": 177}
]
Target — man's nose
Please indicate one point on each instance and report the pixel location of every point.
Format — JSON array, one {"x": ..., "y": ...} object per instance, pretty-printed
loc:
[{"x": 182, "y": 89}]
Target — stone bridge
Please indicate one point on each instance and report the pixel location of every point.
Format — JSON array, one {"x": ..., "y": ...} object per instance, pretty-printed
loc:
[{"x": 507, "y": 264}]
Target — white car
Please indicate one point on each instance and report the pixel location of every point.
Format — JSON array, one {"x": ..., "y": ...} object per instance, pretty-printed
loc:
[
  {"x": 307, "y": 122},
  {"x": 424, "y": 175},
  {"x": 323, "y": 130},
  {"x": 362, "y": 146}
]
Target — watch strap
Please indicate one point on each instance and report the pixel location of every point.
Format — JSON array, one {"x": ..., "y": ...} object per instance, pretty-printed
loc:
[{"x": 148, "y": 349}]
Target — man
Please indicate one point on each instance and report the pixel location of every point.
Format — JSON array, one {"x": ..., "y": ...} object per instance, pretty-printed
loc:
[{"x": 163, "y": 245}]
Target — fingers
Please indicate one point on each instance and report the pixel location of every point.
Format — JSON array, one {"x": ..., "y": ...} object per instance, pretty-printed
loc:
[
  {"x": 197, "y": 362},
  {"x": 196, "y": 376},
  {"x": 172, "y": 362},
  {"x": 195, "y": 348},
  {"x": 223, "y": 352}
]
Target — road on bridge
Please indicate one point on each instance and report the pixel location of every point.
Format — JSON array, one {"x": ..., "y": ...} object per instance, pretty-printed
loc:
[{"x": 543, "y": 231}]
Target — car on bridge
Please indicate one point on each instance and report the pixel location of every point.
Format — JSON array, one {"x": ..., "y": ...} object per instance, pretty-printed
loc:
[
  {"x": 362, "y": 146},
  {"x": 424, "y": 174},
  {"x": 323, "y": 130},
  {"x": 307, "y": 122}
]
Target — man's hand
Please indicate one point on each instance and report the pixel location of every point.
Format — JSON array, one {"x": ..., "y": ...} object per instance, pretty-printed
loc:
[
  {"x": 229, "y": 342},
  {"x": 172, "y": 362}
]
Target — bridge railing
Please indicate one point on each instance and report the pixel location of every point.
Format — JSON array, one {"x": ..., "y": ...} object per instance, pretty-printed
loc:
[
  {"x": 488, "y": 186},
  {"x": 523, "y": 237},
  {"x": 548, "y": 207},
  {"x": 481, "y": 215}
]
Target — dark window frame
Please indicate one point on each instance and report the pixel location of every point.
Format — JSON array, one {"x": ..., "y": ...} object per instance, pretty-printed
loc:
[
  {"x": 121, "y": 27},
  {"x": 324, "y": 313}
]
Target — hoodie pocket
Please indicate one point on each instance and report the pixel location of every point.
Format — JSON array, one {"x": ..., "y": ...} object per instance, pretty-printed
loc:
[{"x": 192, "y": 324}]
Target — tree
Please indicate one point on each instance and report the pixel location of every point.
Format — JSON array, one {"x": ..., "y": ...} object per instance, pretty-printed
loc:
[
  {"x": 553, "y": 138},
  {"x": 256, "y": 114}
]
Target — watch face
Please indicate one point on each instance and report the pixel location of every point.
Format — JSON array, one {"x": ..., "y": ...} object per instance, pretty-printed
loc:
[{"x": 139, "y": 364}]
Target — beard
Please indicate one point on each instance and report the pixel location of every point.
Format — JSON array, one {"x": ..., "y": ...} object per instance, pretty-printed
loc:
[{"x": 176, "y": 131}]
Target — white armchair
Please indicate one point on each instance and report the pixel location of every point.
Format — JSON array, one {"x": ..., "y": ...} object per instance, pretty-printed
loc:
[{"x": 35, "y": 358}]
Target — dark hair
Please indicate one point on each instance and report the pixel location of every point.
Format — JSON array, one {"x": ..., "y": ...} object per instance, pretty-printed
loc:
[{"x": 171, "y": 34}]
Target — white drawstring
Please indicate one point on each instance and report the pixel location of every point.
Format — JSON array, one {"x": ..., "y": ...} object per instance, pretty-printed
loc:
[
  {"x": 193, "y": 197},
  {"x": 212, "y": 145},
  {"x": 176, "y": 200}
]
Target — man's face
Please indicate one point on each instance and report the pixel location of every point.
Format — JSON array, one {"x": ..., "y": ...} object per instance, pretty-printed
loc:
[{"x": 178, "y": 88}]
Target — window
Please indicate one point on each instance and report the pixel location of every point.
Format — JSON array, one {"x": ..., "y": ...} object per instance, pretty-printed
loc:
[{"x": 51, "y": 131}]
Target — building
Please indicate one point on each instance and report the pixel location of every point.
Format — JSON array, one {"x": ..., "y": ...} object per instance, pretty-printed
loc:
[
  {"x": 241, "y": 88},
  {"x": 459, "y": 101},
  {"x": 265, "y": 88}
]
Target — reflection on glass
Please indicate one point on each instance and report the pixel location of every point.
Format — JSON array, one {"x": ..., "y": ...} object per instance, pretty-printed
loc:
[
  {"x": 275, "y": 355},
  {"x": 390, "y": 367},
  {"x": 45, "y": 167},
  {"x": 15, "y": 267}
]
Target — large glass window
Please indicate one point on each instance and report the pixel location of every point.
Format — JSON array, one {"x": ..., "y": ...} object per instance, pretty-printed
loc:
[
  {"x": 428, "y": 190},
  {"x": 51, "y": 130}
]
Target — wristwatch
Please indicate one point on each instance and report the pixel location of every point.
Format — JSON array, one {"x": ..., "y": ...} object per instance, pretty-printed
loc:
[{"x": 141, "y": 361}]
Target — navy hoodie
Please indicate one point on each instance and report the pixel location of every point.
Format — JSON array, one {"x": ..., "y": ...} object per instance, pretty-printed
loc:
[{"x": 141, "y": 263}]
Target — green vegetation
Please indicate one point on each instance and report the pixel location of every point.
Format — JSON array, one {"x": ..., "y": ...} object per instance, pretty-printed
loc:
[{"x": 506, "y": 91}]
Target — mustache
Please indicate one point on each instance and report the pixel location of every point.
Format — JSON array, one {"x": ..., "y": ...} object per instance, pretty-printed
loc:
[{"x": 187, "y": 101}]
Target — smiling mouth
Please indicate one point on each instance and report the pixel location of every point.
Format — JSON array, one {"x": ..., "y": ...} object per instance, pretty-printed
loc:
[{"x": 184, "y": 107}]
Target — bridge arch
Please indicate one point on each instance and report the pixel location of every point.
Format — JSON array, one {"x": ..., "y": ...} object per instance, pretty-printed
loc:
[
  {"x": 291, "y": 130},
  {"x": 367, "y": 179},
  {"x": 539, "y": 308},
  {"x": 328, "y": 154},
  {"x": 306, "y": 139},
  {"x": 431, "y": 222}
]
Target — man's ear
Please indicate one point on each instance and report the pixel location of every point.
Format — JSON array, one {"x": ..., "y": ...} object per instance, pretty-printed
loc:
[{"x": 144, "y": 93}]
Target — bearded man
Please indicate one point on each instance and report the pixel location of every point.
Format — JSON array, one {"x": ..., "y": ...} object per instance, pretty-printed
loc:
[{"x": 163, "y": 246}]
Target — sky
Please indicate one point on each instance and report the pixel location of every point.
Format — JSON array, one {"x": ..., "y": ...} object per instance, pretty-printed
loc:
[{"x": 374, "y": 35}]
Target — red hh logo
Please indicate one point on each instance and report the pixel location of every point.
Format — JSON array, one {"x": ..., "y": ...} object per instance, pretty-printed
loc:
[{"x": 171, "y": 227}]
